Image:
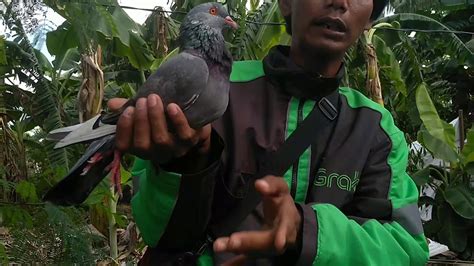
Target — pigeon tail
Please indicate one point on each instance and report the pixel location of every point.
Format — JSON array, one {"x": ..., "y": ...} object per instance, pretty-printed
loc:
[{"x": 85, "y": 175}]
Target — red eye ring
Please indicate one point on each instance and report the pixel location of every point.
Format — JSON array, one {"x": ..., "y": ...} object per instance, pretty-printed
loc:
[{"x": 213, "y": 11}]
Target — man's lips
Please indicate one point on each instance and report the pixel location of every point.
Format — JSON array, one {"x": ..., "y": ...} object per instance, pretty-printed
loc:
[{"x": 334, "y": 24}]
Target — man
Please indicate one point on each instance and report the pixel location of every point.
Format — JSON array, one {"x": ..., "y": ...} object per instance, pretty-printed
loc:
[{"x": 346, "y": 201}]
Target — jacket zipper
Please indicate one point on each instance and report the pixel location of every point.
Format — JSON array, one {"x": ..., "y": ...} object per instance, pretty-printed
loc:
[{"x": 294, "y": 174}]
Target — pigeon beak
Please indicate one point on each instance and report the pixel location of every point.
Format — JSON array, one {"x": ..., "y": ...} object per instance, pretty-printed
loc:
[{"x": 229, "y": 21}]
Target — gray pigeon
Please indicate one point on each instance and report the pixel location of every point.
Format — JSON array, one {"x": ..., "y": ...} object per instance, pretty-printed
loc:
[{"x": 197, "y": 79}]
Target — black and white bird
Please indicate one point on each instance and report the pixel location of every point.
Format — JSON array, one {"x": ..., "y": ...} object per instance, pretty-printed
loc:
[{"x": 197, "y": 80}]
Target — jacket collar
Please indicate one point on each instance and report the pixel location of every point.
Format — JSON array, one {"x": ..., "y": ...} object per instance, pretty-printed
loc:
[{"x": 294, "y": 80}]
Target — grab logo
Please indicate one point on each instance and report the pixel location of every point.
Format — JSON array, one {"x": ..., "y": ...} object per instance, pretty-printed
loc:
[{"x": 344, "y": 182}]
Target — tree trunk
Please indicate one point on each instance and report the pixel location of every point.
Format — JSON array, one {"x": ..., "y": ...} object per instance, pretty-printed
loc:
[
  {"x": 91, "y": 91},
  {"x": 373, "y": 85},
  {"x": 12, "y": 151},
  {"x": 161, "y": 28},
  {"x": 5, "y": 151}
]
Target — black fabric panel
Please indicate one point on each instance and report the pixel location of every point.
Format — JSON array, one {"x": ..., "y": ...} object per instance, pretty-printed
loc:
[
  {"x": 373, "y": 208},
  {"x": 309, "y": 236},
  {"x": 194, "y": 204}
]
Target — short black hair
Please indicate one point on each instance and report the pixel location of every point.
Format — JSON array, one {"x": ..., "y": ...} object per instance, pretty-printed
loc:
[{"x": 379, "y": 6}]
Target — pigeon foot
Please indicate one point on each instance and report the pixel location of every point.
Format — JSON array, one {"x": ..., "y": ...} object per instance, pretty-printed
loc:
[{"x": 115, "y": 175}]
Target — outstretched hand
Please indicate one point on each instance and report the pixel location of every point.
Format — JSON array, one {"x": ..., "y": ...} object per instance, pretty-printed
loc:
[{"x": 282, "y": 223}]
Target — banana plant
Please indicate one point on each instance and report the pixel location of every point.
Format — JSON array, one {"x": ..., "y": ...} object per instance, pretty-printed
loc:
[
  {"x": 375, "y": 47},
  {"x": 453, "y": 206},
  {"x": 255, "y": 36},
  {"x": 91, "y": 28},
  {"x": 406, "y": 62},
  {"x": 23, "y": 63}
]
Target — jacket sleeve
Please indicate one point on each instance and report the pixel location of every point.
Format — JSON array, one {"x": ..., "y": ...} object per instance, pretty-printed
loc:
[
  {"x": 372, "y": 229},
  {"x": 171, "y": 209}
]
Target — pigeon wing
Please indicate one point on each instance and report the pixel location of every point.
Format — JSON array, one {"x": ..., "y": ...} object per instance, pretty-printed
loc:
[{"x": 179, "y": 80}]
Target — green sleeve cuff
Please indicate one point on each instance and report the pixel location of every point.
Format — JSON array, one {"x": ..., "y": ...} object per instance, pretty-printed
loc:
[
  {"x": 153, "y": 204},
  {"x": 342, "y": 241}
]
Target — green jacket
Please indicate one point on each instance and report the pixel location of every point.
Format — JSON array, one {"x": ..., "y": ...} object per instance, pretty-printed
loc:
[{"x": 358, "y": 204}]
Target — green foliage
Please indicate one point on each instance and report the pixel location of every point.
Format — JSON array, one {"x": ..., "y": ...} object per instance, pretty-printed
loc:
[
  {"x": 3, "y": 55},
  {"x": 24, "y": 64},
  {"x": 111, "y": 27},
  {"x": 137, "y": 52},
  {"x": 421, "y": 177},
  {"x": 26, "y": 191},
  {"x": 253, "y": 41},
  {"x": 59, "y": 237},
  {"x": 453, "y": 230},
  {"x": 76, "y": 242},
  {"x": 389, "y": 66},
  {"x": 461, "y": 200},
  {"x": 454, "y": 200},
  {"x": 13, "y": 216},
  {"x": 61, "y": 39},
  {"x": 3, "y": 255},
  {"x": 439, "y": 135},
  {"x": 454, "y": 45}
]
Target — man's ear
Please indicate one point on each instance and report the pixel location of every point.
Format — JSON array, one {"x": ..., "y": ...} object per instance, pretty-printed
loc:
[{"x": 285, "y": 7}]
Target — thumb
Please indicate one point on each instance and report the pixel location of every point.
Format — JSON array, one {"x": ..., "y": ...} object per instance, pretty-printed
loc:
[{"x": 271, "y": 186}]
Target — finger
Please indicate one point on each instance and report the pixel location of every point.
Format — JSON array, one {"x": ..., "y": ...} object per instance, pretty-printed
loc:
[
  {"x": 220, "y": 244},
  {"x": 156, "y": 115},
  {"x": 115, "y": 104},
  {"x": 248, "y": 242},
  {"x": 185, "y": 133},
  {"x": 124, "y": 131},
  {"x": 281, "y": 233},
  {"x": 271, "y": 186},
  {"x": 236, "y": 261},
  {"x": 141, "y": 133}
]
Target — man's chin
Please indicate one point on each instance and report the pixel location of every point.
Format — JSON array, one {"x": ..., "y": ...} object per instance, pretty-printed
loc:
[{"x": 325, "y": 47}]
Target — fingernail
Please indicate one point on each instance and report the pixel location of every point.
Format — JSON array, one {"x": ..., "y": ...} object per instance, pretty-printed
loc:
[
  {"x": 263, "y": 184},
  {"x": 218, "y": 246},
  {"x": 141, "y": 103},
  {"x": 172, "y": 109},
  {"x": 128, "y": 112},
  {"x": 151, "y": 100}
]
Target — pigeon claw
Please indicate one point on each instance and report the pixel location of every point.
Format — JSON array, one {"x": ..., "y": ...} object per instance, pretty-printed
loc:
[{"x": 97, "y": 157}]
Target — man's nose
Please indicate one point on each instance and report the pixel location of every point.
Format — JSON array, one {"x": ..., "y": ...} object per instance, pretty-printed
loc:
[{"x": 338, "y": 5}]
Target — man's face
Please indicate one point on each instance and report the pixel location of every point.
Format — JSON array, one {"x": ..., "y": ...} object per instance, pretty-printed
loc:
[{"x": 327, "y": 26}]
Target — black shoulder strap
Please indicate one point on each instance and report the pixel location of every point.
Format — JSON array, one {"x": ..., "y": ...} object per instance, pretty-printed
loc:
[{"x": 323, "y": 115}]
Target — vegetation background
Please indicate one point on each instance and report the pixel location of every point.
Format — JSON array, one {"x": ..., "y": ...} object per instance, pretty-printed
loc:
[{"x": 417, "y": 61}]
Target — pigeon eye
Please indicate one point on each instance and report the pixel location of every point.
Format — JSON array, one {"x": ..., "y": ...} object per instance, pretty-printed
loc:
[{"x": 213, "y": 11}]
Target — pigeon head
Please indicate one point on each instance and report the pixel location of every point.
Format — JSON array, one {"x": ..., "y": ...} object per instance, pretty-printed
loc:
[
  {"x": 212, "y": 14},
  {"x": 202, "y": 29}
]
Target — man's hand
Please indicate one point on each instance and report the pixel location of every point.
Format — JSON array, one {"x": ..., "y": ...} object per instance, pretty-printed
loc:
[
  {"x": 143, "y": 131},
  {"x": 281, "y": 229}
]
